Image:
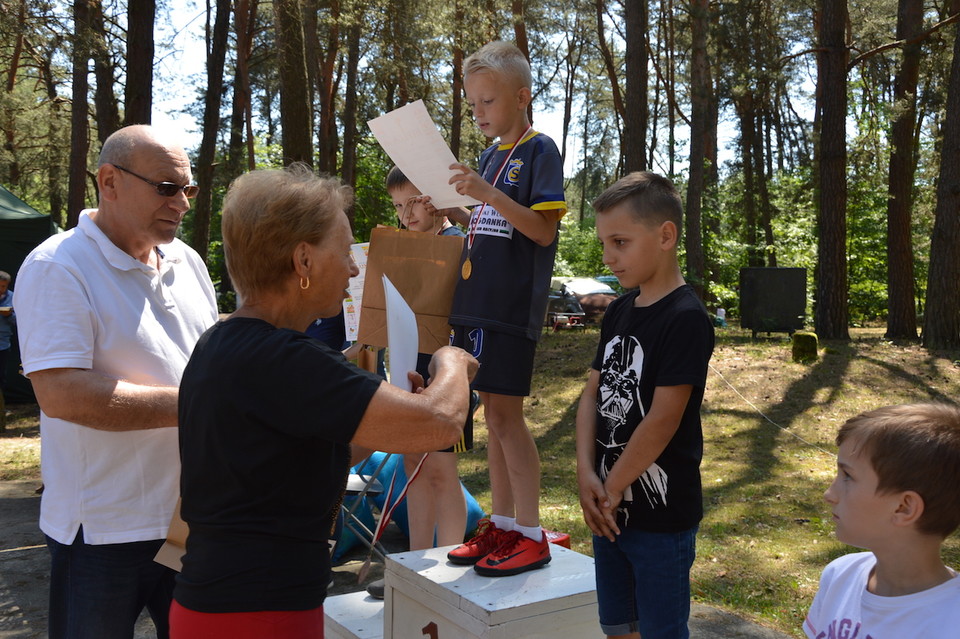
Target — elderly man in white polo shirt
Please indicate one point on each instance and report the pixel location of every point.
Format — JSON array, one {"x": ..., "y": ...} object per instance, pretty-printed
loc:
[{"x": 109, "y": 313}]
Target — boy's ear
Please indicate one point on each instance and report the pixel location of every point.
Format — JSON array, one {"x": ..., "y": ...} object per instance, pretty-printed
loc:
[
  {"x": 524, "y": 98},
  {"x": 668, "y": 235},
  {"x": 909, "y": 510}
]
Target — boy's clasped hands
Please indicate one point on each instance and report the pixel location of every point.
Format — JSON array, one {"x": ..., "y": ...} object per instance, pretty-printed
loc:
[{"x": 599, "y": 504}]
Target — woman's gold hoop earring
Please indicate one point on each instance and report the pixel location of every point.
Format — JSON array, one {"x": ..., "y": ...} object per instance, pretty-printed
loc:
[{"x": 302, "y": 287}]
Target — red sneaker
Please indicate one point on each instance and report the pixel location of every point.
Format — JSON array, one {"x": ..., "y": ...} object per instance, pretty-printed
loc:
[
  {"x": 516, "y": 553},
  {"x": 482, "y": 544}
]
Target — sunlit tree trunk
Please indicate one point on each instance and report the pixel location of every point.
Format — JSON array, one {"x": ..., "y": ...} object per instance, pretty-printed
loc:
[
  {"x": 245, "y": 12},
  {"x": 831, "y": 313},
  {"x": 635, "y": 110},
  {"x": 138, "y": 94},
  {"x": 107, "y": 109},
  {"x": 520, "y": 34},
  {"x": 456, "y": 102},
  {"x": 295, "y": 113},
  {"x": 349, "y": 167},
  {"x": 941, "y": 326},
  {"x": 700, "y": 89},
  {"x": 216, "y": 55},
  {"x": 79, "y": 124},
  {"x": 9, "y": 116},
  {"x": 901, "y": 300}
]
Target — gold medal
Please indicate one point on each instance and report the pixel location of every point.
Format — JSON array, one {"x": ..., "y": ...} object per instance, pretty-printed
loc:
[{"x": 466, "y": 269}]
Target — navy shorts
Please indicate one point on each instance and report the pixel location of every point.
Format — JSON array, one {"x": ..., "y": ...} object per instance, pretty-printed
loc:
[{"x": 506, "y": 361}]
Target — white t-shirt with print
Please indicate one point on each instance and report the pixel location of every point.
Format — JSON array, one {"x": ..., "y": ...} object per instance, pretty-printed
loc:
[{"x": 844, "y": 609}]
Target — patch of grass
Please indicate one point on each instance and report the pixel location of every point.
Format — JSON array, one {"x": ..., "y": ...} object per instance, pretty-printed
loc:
[
  {"x": 769, "y": 426},
  {"x": 20, "y": 443}
]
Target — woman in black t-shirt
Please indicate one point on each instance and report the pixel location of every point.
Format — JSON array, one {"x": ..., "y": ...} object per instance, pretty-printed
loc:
[{"x": 268, "y": 416}]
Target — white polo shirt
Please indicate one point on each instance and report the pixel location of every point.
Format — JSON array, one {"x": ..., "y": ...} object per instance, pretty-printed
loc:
[{"x": 84, "y": 303}]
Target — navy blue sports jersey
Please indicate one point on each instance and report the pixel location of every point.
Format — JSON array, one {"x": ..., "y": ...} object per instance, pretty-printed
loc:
[{"x": 507, "y": 289}]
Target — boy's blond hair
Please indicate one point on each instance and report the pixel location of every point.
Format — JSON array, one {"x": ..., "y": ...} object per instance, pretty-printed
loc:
[
  {"x": 502, "y": 59},
  {"x": 651, "y": 198},
  {"x": 914, "y": 447}
]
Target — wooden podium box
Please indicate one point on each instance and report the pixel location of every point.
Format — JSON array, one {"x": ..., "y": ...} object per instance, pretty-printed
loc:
[{"x": 426, "y": 596}]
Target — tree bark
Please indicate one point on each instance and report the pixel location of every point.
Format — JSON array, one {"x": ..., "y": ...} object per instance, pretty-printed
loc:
[
  {"x": 520, "y": 34},
  {"x": 105, "y": 98},
  {"x": 138, "y": 95},
  {"x": 700, "y": 89},
  {"x": 245, "y": 12},
  {"x": 941, "y": 326},
  {"x": 295, "y": 113},
  {"x": 635, "y": 106},
  {"x": 456, "y": 104},
  {"x": 216, "y": 55},
  {"x": 348, "y": 169},
  {"x": 901, "y": 299},
  {"x": 832, "y": 312},
  {"x": 608, "y": 62},
  {"x": 9, "y": 116},
  {"x": 79, "y": 124}
]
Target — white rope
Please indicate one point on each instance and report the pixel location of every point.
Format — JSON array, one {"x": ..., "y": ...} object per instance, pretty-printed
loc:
[{"x": 760, "y": 412}]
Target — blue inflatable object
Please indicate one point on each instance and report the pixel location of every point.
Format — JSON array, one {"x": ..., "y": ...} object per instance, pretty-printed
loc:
[{"x": 394, "y": 465}]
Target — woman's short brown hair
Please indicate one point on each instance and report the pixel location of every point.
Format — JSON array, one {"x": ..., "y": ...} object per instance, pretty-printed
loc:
[
  {"x": 914, "y": 447},
  {"x": 266, "y": 213}
]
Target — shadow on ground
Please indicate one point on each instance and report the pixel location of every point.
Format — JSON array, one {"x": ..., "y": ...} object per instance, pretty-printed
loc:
[{"x": 24, "y": 566}]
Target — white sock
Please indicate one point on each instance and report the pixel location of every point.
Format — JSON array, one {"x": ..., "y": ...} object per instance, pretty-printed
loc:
[
  {"x": 531, "y": 532},
  {"x": 506, "y": 524}
]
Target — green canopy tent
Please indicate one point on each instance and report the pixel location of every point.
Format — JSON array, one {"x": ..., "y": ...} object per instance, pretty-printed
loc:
[{"x": 21, "y": 229}]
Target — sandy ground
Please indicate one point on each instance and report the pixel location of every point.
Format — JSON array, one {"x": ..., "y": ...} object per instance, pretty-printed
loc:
[{"x": 24, "y": 566}]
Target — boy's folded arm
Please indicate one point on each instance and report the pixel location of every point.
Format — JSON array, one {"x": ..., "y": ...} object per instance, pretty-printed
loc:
[{"x": 650, "y": 438}]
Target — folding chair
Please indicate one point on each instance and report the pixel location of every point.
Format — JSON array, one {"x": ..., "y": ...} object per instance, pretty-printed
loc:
[{"x": 359, "y": 486}]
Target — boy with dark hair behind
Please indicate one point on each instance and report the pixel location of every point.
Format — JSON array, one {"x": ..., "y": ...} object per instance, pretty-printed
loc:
[
  {"x": 896, "y": 494},
  {"x": 639, "y": 438}
]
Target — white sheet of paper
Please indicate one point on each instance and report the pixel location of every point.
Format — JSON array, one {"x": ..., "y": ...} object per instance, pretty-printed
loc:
[
  {"x": 402, "y": 336},
  {"x": 412, "y": 141}
]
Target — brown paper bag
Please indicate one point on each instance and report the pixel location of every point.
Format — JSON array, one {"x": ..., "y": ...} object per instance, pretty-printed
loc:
[
  {"x": 425, "y": 269},
  {"x": 172, "y": 551}
]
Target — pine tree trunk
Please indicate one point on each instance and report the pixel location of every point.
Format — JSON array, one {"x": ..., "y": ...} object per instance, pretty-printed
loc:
[
  {"x": 138, "y": 94},
  {"x": 941, "y": 326},
  {"x": 831, "y": 313},
  {"x": 901, "y": 301}
]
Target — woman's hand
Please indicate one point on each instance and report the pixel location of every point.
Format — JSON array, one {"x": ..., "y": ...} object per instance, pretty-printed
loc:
[{"x": 455, "y": 356}]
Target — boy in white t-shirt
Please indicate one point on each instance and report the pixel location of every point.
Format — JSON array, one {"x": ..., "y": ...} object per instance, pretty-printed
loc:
[{"x": 896, "y": 494}]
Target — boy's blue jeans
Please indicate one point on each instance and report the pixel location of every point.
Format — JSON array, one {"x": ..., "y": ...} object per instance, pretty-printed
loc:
[
  {"x": 97, "y": 592},
  {"x": 643, "y": 582}
]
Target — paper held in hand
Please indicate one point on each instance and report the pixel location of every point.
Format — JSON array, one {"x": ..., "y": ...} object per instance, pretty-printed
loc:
[
  {"x": 401, "y": 336},
  {"x": 412, "y": 141}
]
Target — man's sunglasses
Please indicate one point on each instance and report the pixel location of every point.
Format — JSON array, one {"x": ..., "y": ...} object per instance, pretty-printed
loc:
[{"x": 166, "y": 189}]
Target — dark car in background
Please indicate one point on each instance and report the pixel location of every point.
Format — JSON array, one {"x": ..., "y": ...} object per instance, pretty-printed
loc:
[
  {"x": 592, "y": 296},
  {"x": 563, "y": 310}
]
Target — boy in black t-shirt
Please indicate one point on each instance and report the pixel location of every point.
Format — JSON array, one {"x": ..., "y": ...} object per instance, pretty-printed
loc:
[{"x": 639, "y": 440}]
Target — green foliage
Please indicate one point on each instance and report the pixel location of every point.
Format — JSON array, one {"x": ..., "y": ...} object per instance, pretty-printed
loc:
[
  {"x": 372, "y": 205},
  {"x": 867, "y": 248},
  {"x": 578, "y": 250}
]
